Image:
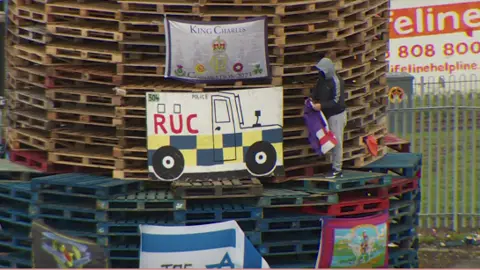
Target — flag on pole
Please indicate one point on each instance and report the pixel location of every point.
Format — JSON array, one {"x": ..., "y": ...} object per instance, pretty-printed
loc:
[{"x": 219, "y": 245}]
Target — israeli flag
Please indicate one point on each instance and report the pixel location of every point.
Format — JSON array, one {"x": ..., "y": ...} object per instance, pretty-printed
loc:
[{"x": 219, "y": 245}]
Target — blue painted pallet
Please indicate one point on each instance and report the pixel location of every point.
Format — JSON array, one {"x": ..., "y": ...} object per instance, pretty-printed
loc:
[
  {"x": 255, "y": 237},
  {"x": 18, "y": 191},
  {"x": 197, "y": 213},
  {"x": 407, "y": 196},
  {"x": 351, "y": 180},
  {"x": 292, "y": 261},
  {"x": 412, "y": 220},
  {"x": 17, "y": 243},
  {"x": 218, "y": 212},
  {"x": 114, "y": 263},
  {"x": 289, "y": 247},
  {"x": 8, "y": 228},
  {"x": 153, "y": 200},
  {"x": 405, "y": 164},
  {"x": 294, "y": 235},
  {"x": 15, "y": 260},
  {"x": 410, "y": 243},
  {"x": 94, "y": 216},
  {"x": 278, "y": 197},
  {"x": 400, "y": 232},
  {"x": 399, "y": 209},
  {"x": 15, "y": 216},
  {"x": 123, "y": 252},
  {"x": 399, "y": 258},
  {"x": 294, "y": 265},
  {"x": 129, "y": 227},
  {"x": 289, "y": 221},
  {"x": 85, "y": 185}
]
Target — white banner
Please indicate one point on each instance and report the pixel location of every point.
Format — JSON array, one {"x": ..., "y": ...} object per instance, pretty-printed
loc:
[
  {"x": 203, "y": 52},
  {"x": 435, "y": 38},
  {"x": 220, "y": 245}
]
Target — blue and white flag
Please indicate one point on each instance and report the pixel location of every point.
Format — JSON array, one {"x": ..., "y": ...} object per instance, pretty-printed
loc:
[{"x": 219, "y": 245}]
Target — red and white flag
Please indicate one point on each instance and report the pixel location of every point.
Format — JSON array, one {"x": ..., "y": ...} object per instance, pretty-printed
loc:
[{"x": 325, "y": 136}]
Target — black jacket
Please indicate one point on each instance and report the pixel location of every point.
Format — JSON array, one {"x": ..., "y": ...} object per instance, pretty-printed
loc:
[{"x": 329, "y": 90}]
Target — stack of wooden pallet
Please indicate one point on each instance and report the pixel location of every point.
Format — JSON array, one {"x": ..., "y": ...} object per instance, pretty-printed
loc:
[
  {"x": 100, "y": 57},
  {"x": 27, "y": 62}
]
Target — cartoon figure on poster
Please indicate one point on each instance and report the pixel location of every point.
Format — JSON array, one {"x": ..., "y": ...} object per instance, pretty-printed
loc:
[
  {"x": 363, "y": 246},
  {"x": 221, "y": 135}
]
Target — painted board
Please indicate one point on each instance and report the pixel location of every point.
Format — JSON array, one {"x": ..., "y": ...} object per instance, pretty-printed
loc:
[{"x": 220, "y": 135}]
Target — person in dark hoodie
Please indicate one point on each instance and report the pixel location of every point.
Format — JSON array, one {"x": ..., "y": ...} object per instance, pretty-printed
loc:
[{"x": 328, "y": 96}]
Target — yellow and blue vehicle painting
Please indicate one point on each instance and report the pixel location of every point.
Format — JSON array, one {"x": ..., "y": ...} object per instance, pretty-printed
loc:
[{"x": 207, "y": 135}]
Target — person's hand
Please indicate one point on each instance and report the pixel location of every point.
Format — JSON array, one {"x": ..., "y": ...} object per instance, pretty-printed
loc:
[{"x": 317, "y": 106}]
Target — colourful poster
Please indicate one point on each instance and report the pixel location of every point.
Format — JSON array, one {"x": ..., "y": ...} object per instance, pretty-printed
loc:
[
  {"x": 220, "y": 135},
  {"x": 354, "y": 243},
  {"x": 51, "y": 249}
]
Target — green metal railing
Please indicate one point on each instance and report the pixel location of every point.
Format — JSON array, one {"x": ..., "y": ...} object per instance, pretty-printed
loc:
[{"x": 442, "y": 123}]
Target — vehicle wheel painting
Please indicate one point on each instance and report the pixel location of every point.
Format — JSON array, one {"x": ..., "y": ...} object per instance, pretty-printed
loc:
[
  {"x": 168, "y": 163},
  {"x": 261, "y": 158}
]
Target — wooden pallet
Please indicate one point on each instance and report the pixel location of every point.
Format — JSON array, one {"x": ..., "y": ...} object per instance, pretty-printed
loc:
[
  {"x": 97, "y": 74},
  {"x": 88, "y": 116},
  {"x": 95, "y": 10},
  {"x": 142, "y": 24},
  {"x": 92, "y": 96},
  {"x": 130, "y": 123},
  {"x": 30, "y": 118},
  {"x": 153, "y": 7},
  {"x": 36, "y": 33},
  {"x": 143, "y": 45},
  {"x": 34, "y": 54},
  {"x": 149, "y": 68},
  {"x": 397, "y": 143},
  {"x": 367, "y": 158},
  {"x": 131, "y": 174},
  {"x": 91, "y": 158},
  {"x": 33, "y": 12},
  {"x": 33, "y": 75},
  {"x": 35, "y": 99},
  {"x": 215, "y": 189},
  {"x": 130, "y": 112},
  {"x": 95, "y": 53},
  {"x": 86, "y": 30},
  {"x": 131, "y": 163},
  {"x": 22, "y": 138},
  {"x": 138, "y": 152},
  {"x": 139, "y": 87},
  {"x": 89, "y": 137}
]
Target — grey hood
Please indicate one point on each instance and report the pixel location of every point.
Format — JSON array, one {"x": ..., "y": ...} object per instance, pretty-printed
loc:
[{"x": 327, "y": 67}]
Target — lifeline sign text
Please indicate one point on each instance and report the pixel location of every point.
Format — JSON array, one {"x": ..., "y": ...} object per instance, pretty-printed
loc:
[{"x": 435, "y": 20}]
